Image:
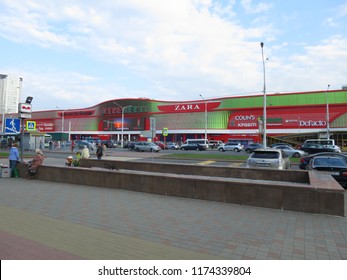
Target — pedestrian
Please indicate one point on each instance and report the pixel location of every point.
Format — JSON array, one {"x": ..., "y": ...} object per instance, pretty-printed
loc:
[
  {"x": 35, "y": 163},
  {"x": 104, "y": 149},
  {"x": 72, "y": 146},
  {"x": 99, "y": 151},
  {"x": 13, "y": 158},
  {"x": 85, "y": 153}
]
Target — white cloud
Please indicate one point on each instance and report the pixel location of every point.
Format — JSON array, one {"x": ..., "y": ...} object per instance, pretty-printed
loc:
[
  {"x": 255, "y": 8},
  {"x": 179, "y": 49}
]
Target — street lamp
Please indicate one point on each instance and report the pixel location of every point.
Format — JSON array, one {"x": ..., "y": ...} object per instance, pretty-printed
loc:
[
  {"x": 62, "y": 120},
  {"x": 327, "y": 102},
  {"x": 264, "y": 96},
  {"x": 123, "y": 108},
  {"x": 205, "y": 118}
]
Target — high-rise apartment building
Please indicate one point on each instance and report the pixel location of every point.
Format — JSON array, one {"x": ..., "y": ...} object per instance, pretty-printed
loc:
[{"x": 10, "y": 90}]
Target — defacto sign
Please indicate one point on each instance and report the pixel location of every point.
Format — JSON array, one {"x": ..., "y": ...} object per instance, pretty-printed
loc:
[{"x": 279, "y": 118}]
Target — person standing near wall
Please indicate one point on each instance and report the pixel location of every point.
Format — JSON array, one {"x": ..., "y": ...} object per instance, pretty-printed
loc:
[
  {"x": 13, "y": 158},
  {"x": 99, "y": 151}
]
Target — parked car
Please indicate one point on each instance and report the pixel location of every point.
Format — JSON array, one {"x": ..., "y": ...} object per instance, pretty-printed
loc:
[
  {"x": 130, "y": 145},
  {"x": 193, "y": 146},
  {"x": 162, "y": 145},
  {"x": 269, "y": 158},
  {"x": 109, "y": 143},
  {"x": 230, "y": 147},
  {"x": 335, "y": 147},
  {"x": 80, "y": 145},
  {"x": 275, "y": 145},
  {"x": 253, "y": 146},
  {"x": 214, "y": 143},
  {"x": 146, "y": 147},
  {"x": 172, "y": 146},
  {"x": 337, "y": 167},
  {"x": 305, "y": 161},
  {"x": 291, "y": 152},
  {"x": 313, "y": 148}
]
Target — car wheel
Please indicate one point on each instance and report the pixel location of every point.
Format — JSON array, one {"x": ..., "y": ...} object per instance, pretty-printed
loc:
[
  {"x": 137, "y": 149},
  {"x": 248, "y": 151},
  {"x": 296, "y": 155},
  {"x": 221, "y": 150},
  {"x": 236, "y": 150}
]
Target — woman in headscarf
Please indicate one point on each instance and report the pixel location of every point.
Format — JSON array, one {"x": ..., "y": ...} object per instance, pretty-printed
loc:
[{"x": 35, "y": 163}]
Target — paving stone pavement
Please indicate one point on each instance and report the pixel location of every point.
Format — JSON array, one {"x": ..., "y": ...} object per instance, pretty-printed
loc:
[{"x": 48, "y": 220}]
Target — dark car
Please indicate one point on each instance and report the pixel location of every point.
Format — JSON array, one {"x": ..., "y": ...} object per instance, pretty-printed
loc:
[
  {"x": 80, "y": 144},
  {"x": 130, "y": 145},
  {"x": 253, "y": 146},
  {"x": 275, "y": 145},
  {"x": 312, "y": 148},
  {"x": 193, "y": 146},
  {"x": 337, "y": 167},
  {"x": 109, "y": 143},
  {"x": 305, "y": 161}
]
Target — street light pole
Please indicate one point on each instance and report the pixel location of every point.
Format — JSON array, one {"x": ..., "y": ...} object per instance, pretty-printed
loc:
[
  {"x": 62, "y": 121},
  {"x": 205, "y": 118},
  {"x": 264, "y": 96},
  {"x": 327, "y": 103},
  {"x": 123, "y": 109}
]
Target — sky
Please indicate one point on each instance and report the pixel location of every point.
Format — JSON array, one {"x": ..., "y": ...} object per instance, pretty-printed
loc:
[{"x": 79, "y": 53}]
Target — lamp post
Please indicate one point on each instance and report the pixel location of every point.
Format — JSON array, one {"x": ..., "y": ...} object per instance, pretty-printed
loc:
[
  {"x": 264, "y": 96},
  {"x": 28, "y": 101},
  {"x": 123, "y": 109},
  {"x": 205, "y": 118},
  {"x": 327, "y": 104},
  {"x": 62, "y": 121}
]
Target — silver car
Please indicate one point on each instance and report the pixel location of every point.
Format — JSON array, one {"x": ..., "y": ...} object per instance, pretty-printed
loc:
[
  {"x": 291, "y": 152},
  {"x": 230, "y": 147},
  {"x": 269, "y": 158},
  {"x": 146, "y": 147}
]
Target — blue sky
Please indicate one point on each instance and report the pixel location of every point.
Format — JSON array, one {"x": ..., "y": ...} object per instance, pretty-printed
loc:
[{"x": 78, "y": 53}]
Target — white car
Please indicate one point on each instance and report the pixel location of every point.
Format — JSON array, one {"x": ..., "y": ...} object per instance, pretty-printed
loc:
[
  {"x": 230, "y": 147},
  {"x": 336, "y": 148},
  {"x": 269, "y": 158}
]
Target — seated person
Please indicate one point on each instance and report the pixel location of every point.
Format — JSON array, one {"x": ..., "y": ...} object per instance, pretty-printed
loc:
[
  {"x": 69, "y": 161},
  {"x": 35, "y": 163}
]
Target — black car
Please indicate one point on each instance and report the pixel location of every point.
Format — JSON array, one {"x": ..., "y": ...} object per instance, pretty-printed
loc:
[
  {"x": 312, "y": 148},
  {"x": 253, "y": 146},
  {"x": 130, "y": 145},
  {"x": 193, "y": 146},
  {"x": 305, "y": 161},
  {"x": 337, "y": 166}
]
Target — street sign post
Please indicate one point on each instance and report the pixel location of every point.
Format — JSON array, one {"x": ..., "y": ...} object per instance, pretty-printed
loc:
[{"x": 12, "y": 126}]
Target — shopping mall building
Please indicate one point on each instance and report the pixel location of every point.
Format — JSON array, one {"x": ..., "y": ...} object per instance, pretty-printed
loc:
[{"x": 292, "y": 117}]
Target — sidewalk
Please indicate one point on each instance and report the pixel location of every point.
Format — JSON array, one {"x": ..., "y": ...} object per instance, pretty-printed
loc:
[{"x": 47, "y": 220}]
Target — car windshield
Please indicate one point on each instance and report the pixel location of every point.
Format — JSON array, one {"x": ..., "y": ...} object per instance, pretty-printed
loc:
[
  {"x": 332, "y": 162},
  {"x": 268, "y": 154}
]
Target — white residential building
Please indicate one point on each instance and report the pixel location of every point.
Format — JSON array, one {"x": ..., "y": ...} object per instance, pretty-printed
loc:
[{"x": 10, "y": 90}]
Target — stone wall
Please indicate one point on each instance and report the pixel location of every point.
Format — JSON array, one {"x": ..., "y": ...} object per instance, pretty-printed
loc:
[{"x": 312, "y": 192}]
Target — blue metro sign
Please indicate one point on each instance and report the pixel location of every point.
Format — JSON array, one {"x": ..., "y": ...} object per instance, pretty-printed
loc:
[{"x": 12, "y": 126}]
